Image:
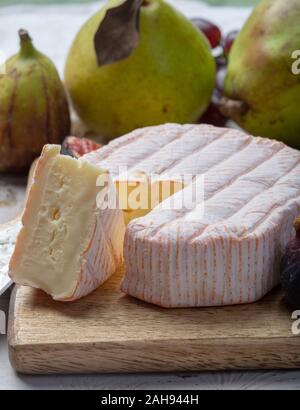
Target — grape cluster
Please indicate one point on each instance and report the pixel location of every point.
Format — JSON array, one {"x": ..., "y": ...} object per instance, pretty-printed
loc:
[{"x": 221, "y": 48}]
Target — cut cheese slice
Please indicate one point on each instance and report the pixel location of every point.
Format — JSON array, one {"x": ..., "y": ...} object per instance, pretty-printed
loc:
[
  {"x": 69, "y": 244},
  {"x": 222, "y": 249}
]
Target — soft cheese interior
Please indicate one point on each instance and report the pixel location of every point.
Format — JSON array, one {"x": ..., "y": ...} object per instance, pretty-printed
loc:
[
  {"x": 138, "y": 196},
  {"x": 67, "y": 246},
  {"x": 150, "y": 160}
]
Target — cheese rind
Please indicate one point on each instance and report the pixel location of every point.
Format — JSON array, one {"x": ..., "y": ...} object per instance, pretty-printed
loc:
[
  {"x": 229, "y": 254},
  {"x": 67, "y": 246},
  {"x": 222, "y": 249}
]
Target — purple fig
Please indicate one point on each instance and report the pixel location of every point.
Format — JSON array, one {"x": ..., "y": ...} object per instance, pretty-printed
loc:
[{"x": 290, "y": 269}]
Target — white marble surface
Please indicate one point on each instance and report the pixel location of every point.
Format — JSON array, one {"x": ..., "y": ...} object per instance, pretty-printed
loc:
[
  {"x": 12, "y": 193},
  {"x": 53, "y": 28}
]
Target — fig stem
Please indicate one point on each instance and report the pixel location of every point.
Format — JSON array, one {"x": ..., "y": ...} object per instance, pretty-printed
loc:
[
  {"x": 27, "y": 48},
  {"x": 233, "y": 108}
]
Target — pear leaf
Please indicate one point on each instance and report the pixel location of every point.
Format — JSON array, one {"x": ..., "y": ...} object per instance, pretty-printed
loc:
[{"x": 118, "y": 33}]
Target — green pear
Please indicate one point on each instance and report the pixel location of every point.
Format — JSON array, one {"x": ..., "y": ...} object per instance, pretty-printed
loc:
[
  {"x": 263, "y": 92},
  {"x": 169, "y": 77}
]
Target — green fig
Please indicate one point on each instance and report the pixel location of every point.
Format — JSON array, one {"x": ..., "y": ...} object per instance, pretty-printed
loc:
[
  {"x": 157, "y": 68},
  {"x": 33, "y": 107},
  {"x": 262, "y": 92}
]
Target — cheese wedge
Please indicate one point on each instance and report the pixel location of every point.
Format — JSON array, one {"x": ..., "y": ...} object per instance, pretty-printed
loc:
[
  {"x": 69, "y": 243},
  {"x": 222, "y": 249}
]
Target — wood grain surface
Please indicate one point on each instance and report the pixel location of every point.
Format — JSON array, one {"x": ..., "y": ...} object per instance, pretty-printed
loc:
[{"x": 110, "y": 332}]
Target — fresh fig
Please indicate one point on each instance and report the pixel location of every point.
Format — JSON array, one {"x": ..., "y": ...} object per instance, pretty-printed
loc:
[
  {"x": 262, "y": 92},
  {"x": 33, "y": 107},
  {"x": 138, "y": 63},
  {"x": 290, "y": 269},
  {"x": 77, "y": 147}
]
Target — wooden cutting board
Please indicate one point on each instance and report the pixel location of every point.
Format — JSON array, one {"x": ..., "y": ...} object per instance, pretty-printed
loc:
[{"x": 111, "y": 332}]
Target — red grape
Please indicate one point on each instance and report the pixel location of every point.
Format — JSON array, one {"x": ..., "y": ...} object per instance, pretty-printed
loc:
[
  {"x": 229, "y": 40},
  {"x": 211, "y": 31},
  {"x": 213, "y": 115}
]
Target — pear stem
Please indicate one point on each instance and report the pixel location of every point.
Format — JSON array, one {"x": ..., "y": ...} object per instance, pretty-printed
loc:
[
  {"x": 297, "y": 226},
  {"x": 27, "y": 48},
  {"x": 233, "y": 108}
]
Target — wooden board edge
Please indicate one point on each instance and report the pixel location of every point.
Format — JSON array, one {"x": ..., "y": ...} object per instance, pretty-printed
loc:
[
  {"x": 155, "y": 356},
  {"x": 148, "y": 356},
  {"x": 12, "y": 330}
]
